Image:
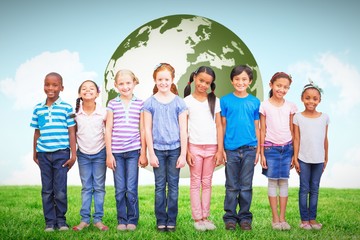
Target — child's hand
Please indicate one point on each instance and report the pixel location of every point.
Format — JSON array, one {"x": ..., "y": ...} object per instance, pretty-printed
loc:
[
  {"x": 225, "y": 157},
  {"x": 263, "y": 162},
  {"x": 69, "y": 163},
  {"x": 181, "y": 162},
  {"x": 110, "y": 162},
  {"x": 292, "y": 163},
  {"x": 143, "y": 161},
  {"x": 154, "y": 161},
  {"x": 256, "y": 158},
  {"x": 219, "y": 159},
  {"x": 189, "y": 159},
  {"x": 36, "y": 160},
  {"x": 297, "y": 166},
  {"x": 325, "y": 163}
]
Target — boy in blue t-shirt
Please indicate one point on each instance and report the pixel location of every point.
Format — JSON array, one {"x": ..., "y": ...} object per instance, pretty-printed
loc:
[
  {"x": 240, "y": 120},
  {"x": 54, "y": 138}
]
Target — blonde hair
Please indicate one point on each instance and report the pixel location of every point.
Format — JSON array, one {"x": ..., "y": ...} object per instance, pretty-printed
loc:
[{"x": 123, "y": 72}]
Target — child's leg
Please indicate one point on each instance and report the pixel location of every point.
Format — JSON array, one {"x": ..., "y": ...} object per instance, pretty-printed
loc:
[
  {"x": 316, "y": 172},
  {"x": 173, "y": 175},
  {"x": 283, "y": 197},
  {"x": 85, "y": 172},
  {"x": 120, "y": 187},
  {"x": 232, "y": 185},
  {"x": 207, "y": 173},
  {"x": 246, "y": 178},
  {"x": 47, "y": 190},
  {"x": 60, "y": 185},
  {"x": 304, "y": 190},
  {"x": 132, "y": 173},
  {"x": 99, "y": 176},
  {"x": 160, "y": 189},
  {"x": 273, "y": 200},
  {"x": 195, "y": 181}
]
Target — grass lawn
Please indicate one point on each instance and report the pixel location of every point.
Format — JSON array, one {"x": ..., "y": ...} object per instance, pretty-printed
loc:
[{"x": 21, "y": 216}]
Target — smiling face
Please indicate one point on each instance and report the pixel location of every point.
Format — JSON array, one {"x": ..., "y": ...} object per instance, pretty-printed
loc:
[
  {"x": 125, "y": 84},
  {"x": 163, "y": 81},
  {"x": 311, "y": 98},
  {"x": 88, "y": 90},
  {"x": 241, "y": 82},
  {"x": 280, "y": 87},
  {"x": 52, "y": 87},
  {"x": 202, "y": 82}
]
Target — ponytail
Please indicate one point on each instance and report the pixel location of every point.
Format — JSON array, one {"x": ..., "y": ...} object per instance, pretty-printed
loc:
[
  {"x": 212, "y": 99},
  {"x": 187, "y": 89}
]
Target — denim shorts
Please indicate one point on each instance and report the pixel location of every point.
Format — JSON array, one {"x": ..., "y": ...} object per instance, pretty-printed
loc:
[{"x": 278, "y": 160}]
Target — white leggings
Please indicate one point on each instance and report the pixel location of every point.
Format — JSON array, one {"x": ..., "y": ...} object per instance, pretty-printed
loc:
[{"x": 274, "y": 184}]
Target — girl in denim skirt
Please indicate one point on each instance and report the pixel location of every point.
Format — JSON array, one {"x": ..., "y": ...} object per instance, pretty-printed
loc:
[{"x": 276, "y": 137}]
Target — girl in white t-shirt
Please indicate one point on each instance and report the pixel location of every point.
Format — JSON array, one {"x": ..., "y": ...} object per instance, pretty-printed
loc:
[
  {"x": 310, "y": 154},
  {"x": 205, "y": 150},
  {"x": 276, "y": 134},
  {"x": 91, "y": 154}
]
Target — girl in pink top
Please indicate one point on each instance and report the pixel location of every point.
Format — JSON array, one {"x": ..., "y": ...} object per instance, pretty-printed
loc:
[
  {"x": 90, "y": 122},
  {"x": 205, "y": 150},
  {"x": 276, "y": 134}
]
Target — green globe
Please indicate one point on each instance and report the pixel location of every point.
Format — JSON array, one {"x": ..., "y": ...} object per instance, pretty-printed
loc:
[{"x": 186, "y": 42}]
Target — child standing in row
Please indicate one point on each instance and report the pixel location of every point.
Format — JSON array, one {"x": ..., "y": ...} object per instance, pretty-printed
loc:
[
  {"x": 240, "y": 120},
  {"x": 166, "y": 138},
  {"x": 310, "y": 154},
  {"x": 276, "y": 145},
  {"x": 54, "y": 150},
  {"x": 205, "y": 147},
  {"x": 125, "y": 148},
  {"x": 90, "y": 122}
]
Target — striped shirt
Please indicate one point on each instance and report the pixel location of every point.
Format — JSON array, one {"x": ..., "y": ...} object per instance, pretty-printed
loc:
[
  {"x": 53, "y": 123},
  {"x": 126, "y": 124}
]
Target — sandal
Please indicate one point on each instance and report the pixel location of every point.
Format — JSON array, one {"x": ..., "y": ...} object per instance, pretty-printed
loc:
[
  {"x": 81, "y": 226},
  {"x": 101, "y": 226},
  {"x": 316, "y": 226},
  {"x": 305, "y": 226}
]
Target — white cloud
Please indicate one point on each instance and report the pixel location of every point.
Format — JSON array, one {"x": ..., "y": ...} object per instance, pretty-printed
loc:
[
  {"x": 343, "y": 173},
  {"x": 26, "y": 88},
  {"x": 341, "y": 79}
]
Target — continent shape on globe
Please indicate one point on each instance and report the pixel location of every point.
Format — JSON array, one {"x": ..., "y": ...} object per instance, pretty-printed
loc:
[{"x": 186, "y": 42}]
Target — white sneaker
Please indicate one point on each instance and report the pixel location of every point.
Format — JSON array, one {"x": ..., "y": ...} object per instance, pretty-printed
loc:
[
  {"x": 200, "y": 226},
  {"x": 209, "y": 225}
]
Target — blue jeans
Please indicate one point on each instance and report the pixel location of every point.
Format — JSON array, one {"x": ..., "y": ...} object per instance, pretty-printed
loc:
[
  {"x": 92, "y": 169},
  {"x": 239, "y": 172},
  {"x": 166, "y": 173},
  {"x": 310, "y": 175},
  {"x": 126, "y": 187},
  {"x": 54, "y": 186}
]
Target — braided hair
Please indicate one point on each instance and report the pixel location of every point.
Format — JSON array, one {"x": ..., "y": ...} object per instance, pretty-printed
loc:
[{"x": 79, "y": 99}]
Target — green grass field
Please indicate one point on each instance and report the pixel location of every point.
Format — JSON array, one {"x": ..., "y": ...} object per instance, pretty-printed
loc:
[{"x": 21, "y": 216}]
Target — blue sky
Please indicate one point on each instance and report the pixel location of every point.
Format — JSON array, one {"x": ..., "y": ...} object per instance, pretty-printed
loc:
[{"x": 312, "y": 39}]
